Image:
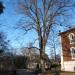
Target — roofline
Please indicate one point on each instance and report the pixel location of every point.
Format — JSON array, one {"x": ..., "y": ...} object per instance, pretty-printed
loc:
[{"x": 66, "y": 31}]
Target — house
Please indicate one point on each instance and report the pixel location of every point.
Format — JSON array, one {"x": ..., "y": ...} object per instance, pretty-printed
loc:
[
  {"x": 33, "y": 57},
  {"x": 35, "y": 63},
  {"x": 68, "y": 50}
]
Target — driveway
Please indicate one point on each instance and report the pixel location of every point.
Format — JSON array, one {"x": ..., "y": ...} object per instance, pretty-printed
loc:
[{"x": 25, "y": 72}]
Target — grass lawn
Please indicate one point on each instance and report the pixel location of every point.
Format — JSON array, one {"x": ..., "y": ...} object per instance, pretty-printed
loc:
[
  {"x": 64, "y": 73},
  {"x": 59, "y": 73},
  {"x": 67, "y": 73},
  {"x": 51, "y": 72}
]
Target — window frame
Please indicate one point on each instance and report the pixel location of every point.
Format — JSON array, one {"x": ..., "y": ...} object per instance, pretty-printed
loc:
[
  {"x": 71, "y": 39},
  {"x": 72, "y": 54}
]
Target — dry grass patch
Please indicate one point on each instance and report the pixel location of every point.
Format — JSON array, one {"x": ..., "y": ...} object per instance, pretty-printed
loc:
[
  {"x": 67, "y": 73},
  {"x": 61, "y": 73}
]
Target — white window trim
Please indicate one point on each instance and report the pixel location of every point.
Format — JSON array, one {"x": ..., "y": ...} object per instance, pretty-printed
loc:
[
  {"x": 70, "y": 38},
  {"x": 71, "y": 52}
]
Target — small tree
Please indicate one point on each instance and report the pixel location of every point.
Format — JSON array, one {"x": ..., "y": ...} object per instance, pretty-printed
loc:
[
  {"x": 1, "y": 7},
  {"x": 3, "y": 42}
]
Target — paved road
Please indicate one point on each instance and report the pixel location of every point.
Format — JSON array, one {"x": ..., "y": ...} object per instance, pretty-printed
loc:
[{"x": 25, "y": 72}]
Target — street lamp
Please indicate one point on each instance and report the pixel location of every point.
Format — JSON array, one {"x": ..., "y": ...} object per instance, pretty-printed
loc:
[{"x": 1, "y": 7}]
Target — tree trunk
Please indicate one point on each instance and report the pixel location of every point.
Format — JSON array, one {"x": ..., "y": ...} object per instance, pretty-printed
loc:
[
  {"x": 42, "y": 61},
  {"x": 42, "y": 56}
]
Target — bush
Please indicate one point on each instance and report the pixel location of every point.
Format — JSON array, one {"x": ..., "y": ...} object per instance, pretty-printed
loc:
[
  {"x": 54, "y": 65},
  {"x": 20, "y": 62}
]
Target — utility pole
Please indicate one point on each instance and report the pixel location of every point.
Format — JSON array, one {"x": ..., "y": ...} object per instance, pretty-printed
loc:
[{"x": 1, "y": 7}]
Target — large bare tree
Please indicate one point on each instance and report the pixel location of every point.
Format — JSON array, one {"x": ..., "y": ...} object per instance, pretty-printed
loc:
[{"x": 42, "y": 16}]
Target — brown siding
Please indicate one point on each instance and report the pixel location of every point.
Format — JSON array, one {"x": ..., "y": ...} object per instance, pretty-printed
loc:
[{"x": 66, "y": 46}]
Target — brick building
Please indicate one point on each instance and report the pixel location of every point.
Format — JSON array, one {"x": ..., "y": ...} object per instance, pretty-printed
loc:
[{"x": 68, "y": 50}]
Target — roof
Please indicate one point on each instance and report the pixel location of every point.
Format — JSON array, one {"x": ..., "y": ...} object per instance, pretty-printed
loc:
[{"x": 67, "y": 31}]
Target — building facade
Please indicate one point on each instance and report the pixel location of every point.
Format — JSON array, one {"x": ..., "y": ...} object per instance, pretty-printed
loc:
[{"x": 68, "y": 50}]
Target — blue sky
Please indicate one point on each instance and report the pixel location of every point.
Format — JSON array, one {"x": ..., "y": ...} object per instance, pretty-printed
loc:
[
  {"x": 10, "y": 18},
  {"x": 8, "y": 21}
]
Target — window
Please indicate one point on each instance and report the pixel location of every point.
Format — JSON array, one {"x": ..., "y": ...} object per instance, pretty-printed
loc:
[
  {"x": 73, "y": 52},
  {"x": 71, "y": 38}
]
